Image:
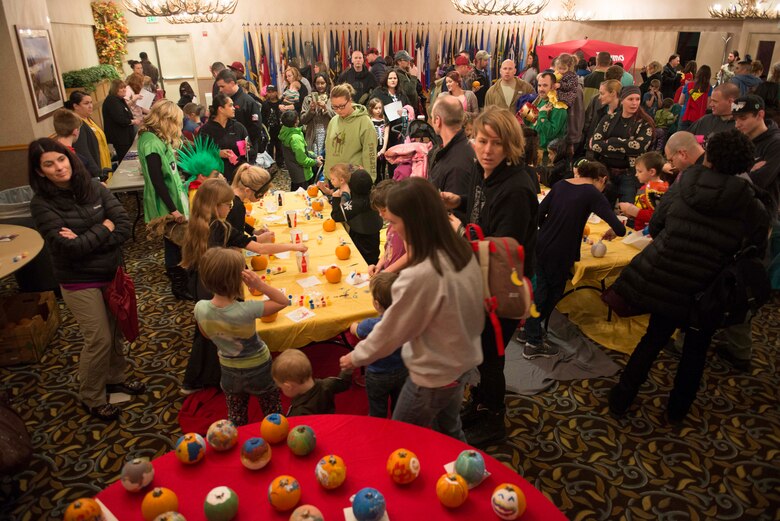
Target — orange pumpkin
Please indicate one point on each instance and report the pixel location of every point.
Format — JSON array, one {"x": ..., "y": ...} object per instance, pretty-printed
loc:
[
  {"x": 284, "y": 492},
  {"x": 84, "y": 509},
  {"x": 159, "y": 501},
  {"x": 343, "y": 252},
  {"x": 333, "y": 275},
  {"x": 403, "y": 466},
  {"x": 476, "y": 84},
  {"x": 269, "y": 318},
  {"x": 331, "y": 471},
  {"x": 250, "y": 220},
  {"x": 508, "y": 501},
  {"x": 248, "y": 207},
  {"x": 452, "y": 490},
  {"x": 317, "y": 205},
  {"x": 329, "y": 225},
  {"x": 259, "y": 262},
  {"x": 312, "y": 190},
  {"x": 255, "y": 292},
  {"x": 274, "y": 428},
  {"x": 586, "y": 231}
]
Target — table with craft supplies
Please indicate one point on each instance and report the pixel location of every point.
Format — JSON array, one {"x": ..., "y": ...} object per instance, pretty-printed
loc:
[
  {"x": 18, "y": 246},
  {"x": 319, "y": 310},
  {"x": 366, "y": 460}
]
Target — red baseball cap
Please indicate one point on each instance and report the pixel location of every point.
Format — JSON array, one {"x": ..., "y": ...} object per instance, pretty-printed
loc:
[
  {"x": 372, "y": 50},
  {"x": 461, "y": 60},
  {"x": 238, "y": 67}
]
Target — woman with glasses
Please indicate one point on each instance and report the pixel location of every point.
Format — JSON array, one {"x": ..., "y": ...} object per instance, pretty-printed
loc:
[
  {"x": 230, "y": 136},
  {"x": 351, "y": 137},
  {"x": 317, "y": 113}
]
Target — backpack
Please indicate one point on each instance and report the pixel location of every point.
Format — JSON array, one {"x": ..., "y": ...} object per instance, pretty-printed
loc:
[
  {"x": 736, "y": 293},
  {"x": 507, "y": 292}
]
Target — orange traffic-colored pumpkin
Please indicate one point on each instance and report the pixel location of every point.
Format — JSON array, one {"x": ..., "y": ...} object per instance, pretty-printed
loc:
[
  {"x": 586, "y": 231},
  {"x": 333, "y": 275},
  {"x": 274, "y": 428},
  {"x": 476, "y": 84},
  {"x": 329, "y": 225},
  {"x": 269, "y": 318},
  {"x": 403, "y": 466},
  {"x": 84, "y": 509},
  {"x": 259, "y": 262},
  {"x": 248, "y": 207},
  {"x": 250, "y": 220},
  {"x": 452, "y": 490},
  {"x": 159, "y": 501},
  {"x": 284, "y": 492},
  {"x": 317, "y": 205},
  {"x": 343, "y": 252},
  {"x": 312, "y": 190}
]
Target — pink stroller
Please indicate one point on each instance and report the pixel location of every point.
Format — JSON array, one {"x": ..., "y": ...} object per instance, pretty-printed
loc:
[{"x": 411, "y": 156}]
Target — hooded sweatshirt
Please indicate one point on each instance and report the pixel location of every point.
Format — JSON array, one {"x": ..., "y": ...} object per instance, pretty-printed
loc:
[
  {"x": 746, "y": 83},
  {"x": 351, "y": 140},
  {"x": 768, "y": 176},
  {"x": 296, "y": 157}
]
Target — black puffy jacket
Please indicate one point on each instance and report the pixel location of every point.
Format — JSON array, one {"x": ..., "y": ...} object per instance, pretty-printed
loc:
[
  {"x": 697, "y": 226},
  {"x": 95, "y": 254}
]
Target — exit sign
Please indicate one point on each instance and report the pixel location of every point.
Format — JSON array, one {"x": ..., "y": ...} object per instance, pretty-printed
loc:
[{"x": 151, "y": 19}]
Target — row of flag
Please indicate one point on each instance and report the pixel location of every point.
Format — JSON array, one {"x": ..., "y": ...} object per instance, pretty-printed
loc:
[{"x": 270, "y": 49}]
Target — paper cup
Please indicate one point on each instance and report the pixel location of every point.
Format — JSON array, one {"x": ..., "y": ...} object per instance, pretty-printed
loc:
[
  {"x": 241, "y": 146},
  {"x": 296, "y": 236},
  {"x": 292, "y": 218},
  {"x": 302, "y": 259}
]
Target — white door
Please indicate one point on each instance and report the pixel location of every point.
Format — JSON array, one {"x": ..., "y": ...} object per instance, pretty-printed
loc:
[{"x": 174, "y": 58}]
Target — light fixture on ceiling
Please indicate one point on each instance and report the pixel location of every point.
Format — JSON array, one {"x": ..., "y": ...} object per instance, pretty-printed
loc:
[
  {"x": 570, "y": 13},
  {"x": 745, "y": 9},
  {"x": 146, "y": 8},
  {"x": 500, "y": 7},
  {"x": 194, "y": 18}
]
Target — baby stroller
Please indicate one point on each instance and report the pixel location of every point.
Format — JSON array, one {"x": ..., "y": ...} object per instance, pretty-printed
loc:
[{"x": 411, "y": 156}]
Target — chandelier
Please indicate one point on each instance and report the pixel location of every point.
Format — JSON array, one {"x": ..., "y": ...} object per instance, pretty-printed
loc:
[
  {"x": 194, "y": 18},
  {"x": 146, "y": 8},
  {"x": 569, "y": 14},
  {"x": 745, "y": 9},
  {"x": 500, "y": 7}
]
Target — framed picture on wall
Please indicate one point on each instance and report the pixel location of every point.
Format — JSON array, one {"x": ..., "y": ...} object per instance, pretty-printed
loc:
[{"x": 41, "y": 71}]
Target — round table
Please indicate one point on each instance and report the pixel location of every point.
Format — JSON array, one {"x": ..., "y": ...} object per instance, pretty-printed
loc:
[
  {"x": 27, "y": 241},
  {"x": 364, "y": 443}
]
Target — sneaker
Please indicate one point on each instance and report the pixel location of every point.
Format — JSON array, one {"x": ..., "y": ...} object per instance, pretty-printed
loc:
[
  {"x": 520, "y": 338},
  {"x": 545, "y": 350},
  {"x": 740, "y": 364},
  {"x": 489, "y": 431}
]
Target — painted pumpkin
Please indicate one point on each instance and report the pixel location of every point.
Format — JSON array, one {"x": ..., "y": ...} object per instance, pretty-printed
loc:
[
  {"x": 137, "y": 474},
  {"x": 369, "y": 505},
  {"x": 333, "y": 274},
  {"x": 313, "y": 191},
  {"x": 508, "y": 501},
  {"x": 221, "y": 504},
  {"x": 586, "y": 231},
  {"x": 317, "y": 205},
  {"x": 269, "y": 318},
  {"x": 190, "y": 448},
  {"x": 255, "y": 453},
  {"x": 259, "y": 262},
  {"x": 84, "y": 509},
  {"x": 170, "y": 516},
  {"x": 307, "y": 513},
  {"x": 255, "y": 292},
  {"x": 301, "y": 440},
  {"x": 329, "y": 225},
  {"x": 222, "y": 435},
  {"x": 403, "y": 466},
  {"x": 284, "y": 492},
  {"x": 331, "y": 471},
  {"x": 599, "y": 249},
  {"x": 248, "y": 207},
  {"x": 470, "y": 465},
  {"x": 452, "y": 490},
  {"x": 343, "y": 252},
  {"x": 274, "y": 428},
  {"x": 159, "y": 501}
]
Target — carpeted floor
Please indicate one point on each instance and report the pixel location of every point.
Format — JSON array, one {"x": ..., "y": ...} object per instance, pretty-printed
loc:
[{"x": 721, "y": 464}]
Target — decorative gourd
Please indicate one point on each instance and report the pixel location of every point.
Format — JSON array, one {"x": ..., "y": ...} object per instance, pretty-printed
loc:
[
  {"x": 329, "y": 225},
  {"x": 250, "y": 220},
  {"x": 470, "y": 465},
  {"x": 403, "y": 466},
  {"x": 313, "y": 191},
  {"x": 301, "y": 440},
  {"x": 84, "y": 509},
  {"x": 274, "y": 428},
  {"x": 317, "y": 205},
  {"x": 508, "y": 501},
  {"x": 452, "y": 490},
  {"x": 259, "y": 262},
  {"x": 222, "y": 435},
  {"x": 333, "y": 274},
  {"x": 307, "y": 513},
  {"x": 476, "y": 85},
  {"x": 159, "y": 501},
  {"x": 369, "y": 505},
  {"x": 331, "y": 471},
  {"x": 586, "y": 231},
  {"x": 343, "y": 252},
  {"x": 190, "y": 448},
  {"x": 269, "y": 318},
  {"x": 221, "y": 504},
  {"x": 284, "y": 492},
  {"x": 170, "y": 516},
  {"x": 255, "y": 453},
  {"x": 599, "y": 249},
  {"x": 136, "y": 474}
]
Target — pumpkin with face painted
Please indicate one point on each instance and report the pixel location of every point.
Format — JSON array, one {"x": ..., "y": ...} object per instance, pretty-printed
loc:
[{"x": 508, "y": 501}]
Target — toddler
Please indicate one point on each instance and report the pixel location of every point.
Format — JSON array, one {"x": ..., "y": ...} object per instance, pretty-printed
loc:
[
  {"x": 291, "y": 95},
  {"x": 648, "y": 171},
  {"x": 243, "y": 357},
  {"x": 192, "y": 114},
  {"x": 664, "y": 120},
  {"x": 338, "y": 176},
  {"x": 292, "y": 373},
  {"x": 376, "y": 111},
  {"x": 364, "y": 222},
  {"x": 386, "y": 376},
  {"x": 567, "y": 78},
  {"x": 395, "y": 258}
]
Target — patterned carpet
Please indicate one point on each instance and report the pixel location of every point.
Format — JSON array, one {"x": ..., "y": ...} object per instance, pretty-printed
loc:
[{"x": 720, "y": 464}]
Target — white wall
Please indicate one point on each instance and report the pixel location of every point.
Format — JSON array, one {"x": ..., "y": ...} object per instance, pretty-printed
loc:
[{"x": 71, "y": 27}]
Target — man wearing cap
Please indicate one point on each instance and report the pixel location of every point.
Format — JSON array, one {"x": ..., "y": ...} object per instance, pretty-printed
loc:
[
  {"x": 376, "y": 64},
  {"x": 406, "y": 82},
  {"x": 359, "y": 77},
  {"x": 723, "y": 96},
  {"x": 248, "y": 111},
  {"x": 480, "y": 75},
  {"x": 505, "y": 92},
  {"x": 248, "y": 86},
  {"x": 463, "y": 67}
]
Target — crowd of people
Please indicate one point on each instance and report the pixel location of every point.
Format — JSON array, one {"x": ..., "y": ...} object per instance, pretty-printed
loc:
[{"x": 691, "y": 163}]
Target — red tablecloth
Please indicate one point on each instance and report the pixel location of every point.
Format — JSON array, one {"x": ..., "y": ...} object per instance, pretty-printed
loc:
[{"x": 365, "y": 444}]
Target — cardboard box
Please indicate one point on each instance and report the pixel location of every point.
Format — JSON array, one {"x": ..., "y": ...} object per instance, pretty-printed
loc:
[{"x": 28, "y": 322}]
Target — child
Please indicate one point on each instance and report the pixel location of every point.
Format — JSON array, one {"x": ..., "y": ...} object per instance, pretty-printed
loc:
[
  {"x": 376, "y": 112},
  {"x": 200, "y": 161},
  {"x": 192, "y": 114},
  {"x": 664, "y": 119},
  {"x": 291, "y": 372},
  {"x": 364, "y": 222},
  {"x": 291, "y": 96},
  {"x": 339, "y": 180},
  {"x": 386, "y": 376},
  {"x": 67, "y": 126},
  {"x": 566, "y": 78},
  {"x": 272, "y": 119},
  {"x": 244, "y": 358},
  {"x": 395, "y": 258},
  {"x": 298, "y": 160},
  {"x": 653, "y": 100},
  {"x": 562, "y": 217},
  {"x": 648, "y": 171},
  {"x": 468, "y": 127}
]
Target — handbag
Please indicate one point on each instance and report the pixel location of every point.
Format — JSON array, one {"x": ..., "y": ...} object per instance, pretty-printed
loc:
[{"x": 121, "y": 301}]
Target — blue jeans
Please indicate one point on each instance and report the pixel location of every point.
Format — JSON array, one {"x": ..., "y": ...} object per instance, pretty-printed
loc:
[
  {"x": 383, "y": 386},
  {"x": 438, "y": 408},
  {"x": 550, "y": 285}
]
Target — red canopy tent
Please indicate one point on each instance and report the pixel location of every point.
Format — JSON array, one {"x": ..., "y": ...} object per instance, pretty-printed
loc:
[{"x": 624, "y": 54}]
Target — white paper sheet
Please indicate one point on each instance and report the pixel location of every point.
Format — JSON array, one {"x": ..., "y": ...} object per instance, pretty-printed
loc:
[
  {"x": 309, "y": 282},
  {"x": 146, "y": 99},
  {"x": 391, "y": 110},
  {"x": 300, "y": 314}
]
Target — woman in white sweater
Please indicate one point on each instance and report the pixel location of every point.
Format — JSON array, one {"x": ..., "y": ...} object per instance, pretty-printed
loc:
[{"x": 436, "y": 314}]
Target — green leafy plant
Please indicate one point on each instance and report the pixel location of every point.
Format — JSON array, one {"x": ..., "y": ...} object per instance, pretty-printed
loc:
[
  {"x": 110, "y": 32},
  {"x": 88, "y": 78}
]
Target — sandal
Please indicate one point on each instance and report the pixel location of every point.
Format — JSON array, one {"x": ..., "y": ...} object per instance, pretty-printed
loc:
[
  {"x": 106, "y": 412},
  {"x": 133, "y": 387}
]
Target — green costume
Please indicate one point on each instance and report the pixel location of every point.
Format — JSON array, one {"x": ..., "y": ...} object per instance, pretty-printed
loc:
[
  {"x": 149, "y": 143},
  {"x": 550, "y": 125}
]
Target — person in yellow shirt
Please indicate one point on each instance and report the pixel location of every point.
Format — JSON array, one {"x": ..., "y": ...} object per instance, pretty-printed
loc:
[{"x": 92, "y": 140}]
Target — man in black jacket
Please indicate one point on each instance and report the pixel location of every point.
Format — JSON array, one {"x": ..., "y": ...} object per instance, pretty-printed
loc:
[
  {"x": 359, "y": 77},
  {"x": 248, "y": 111},
  {"x": 149, "y": 69},
  {"x": 376, "y": 64},
  {"x": 480, "y": 74},
  {"x": 670, "y": 77}
]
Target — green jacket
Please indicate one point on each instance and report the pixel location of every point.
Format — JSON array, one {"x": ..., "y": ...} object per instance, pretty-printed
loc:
[
  {"x": 408, "y": 85},
  {"x": 292, "y": 138},
  {"x": 550, "y": 125},
  {"x": 351, "y": 140},
  {"x": 149, "y": 143}
]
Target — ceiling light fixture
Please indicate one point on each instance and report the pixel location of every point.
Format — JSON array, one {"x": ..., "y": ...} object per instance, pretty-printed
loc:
[
  {"x": 569, "y": 14},
  {"x": 144, "y": 8},
  {"x": 500, "y": 7},
  {"x": 745, "y": 9},
  {"x": 194, "y": 18}
]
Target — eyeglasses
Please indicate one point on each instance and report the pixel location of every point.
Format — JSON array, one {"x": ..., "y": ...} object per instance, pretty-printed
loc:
[{"x": 339, "y": 107}]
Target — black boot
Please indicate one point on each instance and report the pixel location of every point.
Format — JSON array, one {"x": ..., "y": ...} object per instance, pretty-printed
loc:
[
  {"x": 489, "y": 431},
  {"x": 180, "y": 283},
  {"x": 472, "y": 412}
]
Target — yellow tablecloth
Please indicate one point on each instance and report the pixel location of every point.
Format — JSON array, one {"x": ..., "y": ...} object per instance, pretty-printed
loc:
[{"x": 347, "y": 303}]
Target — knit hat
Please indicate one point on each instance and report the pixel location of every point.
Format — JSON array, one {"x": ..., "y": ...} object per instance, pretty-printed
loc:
[
  {"x": 627, "y": 91},
  {"x": 402, "y": 55},
  {"x": 461, "y": 60},
  {"x": 238, "y": 67},
  {"x": 482, "y": 55},
  {"x": 749, "y": 104}
]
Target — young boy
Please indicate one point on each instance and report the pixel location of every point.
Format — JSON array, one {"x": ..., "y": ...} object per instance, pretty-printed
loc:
[
  {"x": 292, "y": 373},
  {"x": 272, "y": 118},
  {"x": 394, "y": 258},
  {"x": 66, "y": 128},
  {"x": 664, "y": 119},
  {"x": 364, "y": 222},
  {"x": 386, "y": 376},
  {"x": 192, "y": 114},
  {"x": 298, "y": 159},
  {"x": 649, "y": 167},
  {"x": 653, "y": 100}
]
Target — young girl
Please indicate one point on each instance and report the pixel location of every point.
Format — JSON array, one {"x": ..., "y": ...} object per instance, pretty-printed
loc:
[
  {"x": 648, "y": 171},
  {"x": 364, "y": 222},
  {"x": 395, "y": 258},
  {"x": 562, "y": 217},
  {"x": 250, "y": 184},
  {"x": 339, "y": 175},
  {"x": 376, "y": 111},
  {"x": 567, "y": 78},
  {"x": 230, "y": 324}
]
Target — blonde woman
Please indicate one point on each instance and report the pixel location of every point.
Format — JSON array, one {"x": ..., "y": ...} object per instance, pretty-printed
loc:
[{"x": 164, "y": 193}]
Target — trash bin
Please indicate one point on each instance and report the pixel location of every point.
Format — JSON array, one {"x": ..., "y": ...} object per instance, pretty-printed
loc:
[{"x": 37, "y": 275}]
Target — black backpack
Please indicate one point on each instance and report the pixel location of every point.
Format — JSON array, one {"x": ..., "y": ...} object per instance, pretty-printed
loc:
[{"x": 737, "y": 291}]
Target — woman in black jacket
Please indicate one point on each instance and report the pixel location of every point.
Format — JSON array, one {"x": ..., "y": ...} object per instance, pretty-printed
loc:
[
  {"x": 118, "y": 121},
  {"x": 226, "y": 132},
  {"x": 700, "y": 223},
  {"x": 84, "y": 227},
  {"x": 502, "y": 201}
]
